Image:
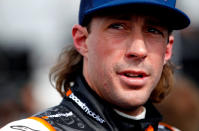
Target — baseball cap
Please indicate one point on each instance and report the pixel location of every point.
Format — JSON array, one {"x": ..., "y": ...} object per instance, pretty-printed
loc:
[{"x": 175, "y": 18}]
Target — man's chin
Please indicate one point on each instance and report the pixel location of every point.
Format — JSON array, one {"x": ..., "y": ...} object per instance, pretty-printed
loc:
[{"x": 129, "y": 106}]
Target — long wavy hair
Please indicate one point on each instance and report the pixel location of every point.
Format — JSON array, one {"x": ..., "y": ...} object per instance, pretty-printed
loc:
[{"x": 70, "y": 64}]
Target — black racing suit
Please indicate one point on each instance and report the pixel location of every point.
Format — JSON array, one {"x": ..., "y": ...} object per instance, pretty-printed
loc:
[{"x": 83, "y": 110}]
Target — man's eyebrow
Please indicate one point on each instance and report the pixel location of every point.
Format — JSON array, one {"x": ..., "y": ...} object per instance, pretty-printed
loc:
[
  {"x": 155, "y": 22},
  {"x": 120, "y": 17}
]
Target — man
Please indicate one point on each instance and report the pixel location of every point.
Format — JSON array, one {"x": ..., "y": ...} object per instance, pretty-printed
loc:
[{"x": 118, "y": 67}]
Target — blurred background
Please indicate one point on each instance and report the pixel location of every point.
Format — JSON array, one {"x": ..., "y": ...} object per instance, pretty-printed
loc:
[{"x": 34, "y": 32}]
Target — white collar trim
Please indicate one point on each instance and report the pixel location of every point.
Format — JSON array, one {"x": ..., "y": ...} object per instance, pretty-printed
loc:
[{"x": 138, "y": 117}]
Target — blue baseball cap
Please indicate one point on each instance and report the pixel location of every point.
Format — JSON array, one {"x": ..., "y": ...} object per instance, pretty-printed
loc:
[{"x": 175, "y": 18}]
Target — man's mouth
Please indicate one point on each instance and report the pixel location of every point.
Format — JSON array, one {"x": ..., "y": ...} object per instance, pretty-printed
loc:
[
  {"x": 133, "y": 78},
  {"x": 133, "y": 75}
]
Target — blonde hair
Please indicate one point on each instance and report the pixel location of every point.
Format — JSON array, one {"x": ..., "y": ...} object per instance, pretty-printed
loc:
[{"x": 70, "y": 65}]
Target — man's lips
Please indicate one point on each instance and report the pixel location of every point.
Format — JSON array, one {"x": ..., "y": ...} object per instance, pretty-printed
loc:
[{"x": 133, "y": 78}]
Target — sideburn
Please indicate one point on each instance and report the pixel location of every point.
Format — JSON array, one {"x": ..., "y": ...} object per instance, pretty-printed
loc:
[{"x": 165, "y": 84}]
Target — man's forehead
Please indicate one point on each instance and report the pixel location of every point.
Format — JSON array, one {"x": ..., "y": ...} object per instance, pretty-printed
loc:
[
  {"x": 147, "y": 18},
  {"x": 130, "y": 16}
]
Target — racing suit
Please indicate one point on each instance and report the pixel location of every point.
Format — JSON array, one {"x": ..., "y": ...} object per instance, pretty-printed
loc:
[{"x": 83, "y": 110}]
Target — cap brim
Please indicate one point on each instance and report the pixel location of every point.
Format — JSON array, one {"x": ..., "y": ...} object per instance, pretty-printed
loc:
[{"x": 175, "y": 18}]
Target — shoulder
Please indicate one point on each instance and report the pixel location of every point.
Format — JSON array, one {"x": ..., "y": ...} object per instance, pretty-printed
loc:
[
  {"x": 42, "y": 121},
  {"x": 29, "y": 124},
  {"x": 165, "y": 127}
]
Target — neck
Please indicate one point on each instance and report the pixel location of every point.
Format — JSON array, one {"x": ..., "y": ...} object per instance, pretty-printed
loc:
[{"x": 133, "y": 112}]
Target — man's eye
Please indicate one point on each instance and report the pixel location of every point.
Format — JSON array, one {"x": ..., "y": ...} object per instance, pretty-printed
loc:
[
  {"x": 154, "y": 31},
  {"x": 118, "y": 26}
]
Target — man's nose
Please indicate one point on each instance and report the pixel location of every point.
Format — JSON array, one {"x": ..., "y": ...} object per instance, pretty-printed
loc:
[{"x": 136, "y": 48}]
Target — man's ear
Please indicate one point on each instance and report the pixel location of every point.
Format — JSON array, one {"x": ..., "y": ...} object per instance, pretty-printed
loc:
[
  {"x": 169, "y": 48},
  {"x": 80, "y": 35}
]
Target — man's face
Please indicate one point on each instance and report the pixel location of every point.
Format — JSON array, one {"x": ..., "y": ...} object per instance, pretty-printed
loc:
[{"x": 124, "y": 57}]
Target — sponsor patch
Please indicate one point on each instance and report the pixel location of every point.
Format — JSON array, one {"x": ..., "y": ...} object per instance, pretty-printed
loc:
[
  {"x": 22, "y": 128},
  {"x": 58, "y": 115},
  {"x": 83, "y": 106}
]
